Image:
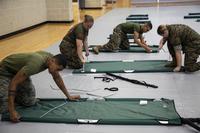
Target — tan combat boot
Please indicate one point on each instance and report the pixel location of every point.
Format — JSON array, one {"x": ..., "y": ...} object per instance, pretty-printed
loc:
[{"x": 96, "y": 49}]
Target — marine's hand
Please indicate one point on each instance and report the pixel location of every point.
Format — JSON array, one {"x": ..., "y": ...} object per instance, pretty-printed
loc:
[
  {"x": 87, "y": 54},
  {"x": 148, "y": 50},
  {"x": 14, "y": 117},
  {"x": 83, "y": 60},
  {"x": 74, "y": 97},
  {"x": 160, "y": 47}
]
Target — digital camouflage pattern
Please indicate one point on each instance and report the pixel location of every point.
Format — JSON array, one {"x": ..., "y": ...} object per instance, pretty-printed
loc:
[
  {"x": 29, "y": 64},
  {"x": 70, "y": 51},
  {"x": 68, "y": 45},
  {"x": 25, "y": 94}
]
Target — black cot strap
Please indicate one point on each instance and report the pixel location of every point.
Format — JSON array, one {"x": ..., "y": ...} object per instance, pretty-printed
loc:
[
  {"x": 112, "y": 89},
  {"x": 190, "y": 123},
  {"x": 105, "y": 79},
  {"x": 197, "y": 120},
  {"x": 133, "y": 80}
]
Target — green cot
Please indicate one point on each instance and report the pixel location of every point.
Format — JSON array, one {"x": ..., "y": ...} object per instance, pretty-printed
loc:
[
  {"x": 125, "y": 66},
  {"x": 122, "y": 111}
]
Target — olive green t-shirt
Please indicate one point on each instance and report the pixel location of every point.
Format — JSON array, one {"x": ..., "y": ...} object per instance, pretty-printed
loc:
[
  {"x": 130, "y": 27},
  {"x": 180, "y": 34},
  {"x": 76, "y": 32},
  {"x": 29, "y": 63}
]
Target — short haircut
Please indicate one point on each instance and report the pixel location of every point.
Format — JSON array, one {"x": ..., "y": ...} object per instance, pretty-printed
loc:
[
  {"x": 160, "y": 30},
  {"x": 61, "y": 59},
  {"x": 88, "y": 18},
  {"x": 149, "y": 24}
]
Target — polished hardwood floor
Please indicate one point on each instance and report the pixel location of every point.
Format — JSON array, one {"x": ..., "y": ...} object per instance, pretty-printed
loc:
[{"x": 45, "y": 35}]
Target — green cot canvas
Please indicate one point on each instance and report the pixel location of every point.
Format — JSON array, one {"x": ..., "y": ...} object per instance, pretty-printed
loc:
[
  {"x": 129, "y": 36},
  {"x": 108, "y": 111},
  {"x": 125, "y": 66},
  {"x": 133, "y": 48}
]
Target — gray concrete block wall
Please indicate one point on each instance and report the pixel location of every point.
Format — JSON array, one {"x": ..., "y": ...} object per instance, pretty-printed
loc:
[
  {"x": 94, "y": 3},
  {"x": 19, "y": 14},
  {"x": 59, "y": 10}
]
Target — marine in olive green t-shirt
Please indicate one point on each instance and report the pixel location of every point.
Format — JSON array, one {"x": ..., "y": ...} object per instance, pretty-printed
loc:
[
  {"x": 15, "y": 84},
  {"x": 77, "y": 32},
  {"x": 130, "y": 28},
  {"x": 29, "y": 63},
  {"x": 119, "y": 40}
]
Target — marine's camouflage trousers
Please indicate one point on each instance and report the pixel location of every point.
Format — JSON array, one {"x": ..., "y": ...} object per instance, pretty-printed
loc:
[
  {"x": 191, "y": 56},
  {"x": 118, "y": 40},
  {"x": 70, "y": 51},
  {"x": 25, "y": 94}
]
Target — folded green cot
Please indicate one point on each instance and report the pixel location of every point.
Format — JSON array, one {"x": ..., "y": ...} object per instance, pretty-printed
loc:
[
  {"x": 133, "y": 48},
  {"x": 138, "y": 15},
  {"x": 137, "y": 18},
  {"x": 124, "y": 66},
  {"x": 123, "y": 111},
  {"x": 195, "y": 13},
  {"x": 192, "y": 17},
  {"x": 139, "y": 21}
]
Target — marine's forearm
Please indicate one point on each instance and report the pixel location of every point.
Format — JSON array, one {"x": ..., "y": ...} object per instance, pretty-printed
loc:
[
  {"x": 79, "y": 50},
  {"x": 178, "y": 58},
  {"x": 141, "y": 44},
  {"x": 59, "y": 82},
  {"x": 11, "y": 97},
  {"x": 86, "y": 46}
]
